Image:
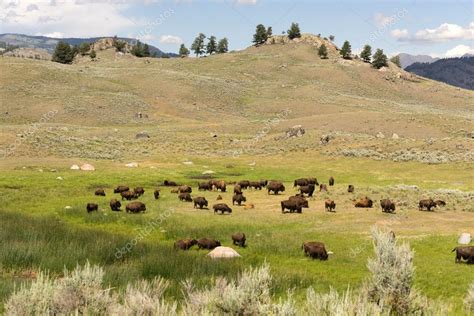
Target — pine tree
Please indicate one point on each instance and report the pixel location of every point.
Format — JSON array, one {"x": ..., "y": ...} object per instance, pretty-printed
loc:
[
  {"x": 366, "y": 53},
  {"x": 211, "y": 45},
  {"x": 260, "y": 36},
  {"x": 137, "y": 49},
  {"x": 294, "y": 31},
  {"x": 379, "y": 59},
  {"x": 93, "y": 55},
  {"x": 84, "y": 48},
  {"x": 346, "y": 50},
  {"x": 146, "y": 51},
  {"x": 198, "y": 45},
  {"x": 331, "y": 38},
  {"x": 63, "y": 53},
  {"x": 118, "y": 44},
  {"x": 183, "y": 51},
  {"x": 323, "y": 52},
  {"x": 396, "y": 61},
  {"x": 223, "y": 46},
  {"x": 269, "y": 32}
]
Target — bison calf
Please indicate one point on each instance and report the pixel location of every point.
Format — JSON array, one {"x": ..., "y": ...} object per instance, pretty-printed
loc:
[
  {"x": 330, "y": 205},
  {"x": 239, "y": 239},
  {"x": 387, "y": 206},
  {"x": 350, "y": 188},
  {"x": 200, "y": 201},
  {"x": 238, "y": 198},
  {"x": 185, "y": 197},
  {"x": 115, "y": 205},
  {"x": 331, "y": 181},
  {"x": 91, "y": 207},
  {"x": 99, "y": 192},
  {"x": 139, "y": 191},
  {"x": 156, "y": 193}
]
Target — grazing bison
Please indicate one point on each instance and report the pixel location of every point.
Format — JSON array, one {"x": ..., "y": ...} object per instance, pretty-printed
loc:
[
  {"x": 185, "y": 244},
  {"x": 364, "y": 203},
  {"x": 313, "y": 181},
  {"x": 99, "y": 192},
  {"x": 387, "y": 206},
  {"x": 292, "y": 205},
  {"x": 300, "y": 182},
  {"x": 121, "y": 188},
  {"x": 256, "y": 185},
  {"x": 238, "y": 198},
  {"x": 135, "y": 207},
  {"x": 185, "y": 189},
  {"x": 350, "y": 188},
  {"x": 428, "y": 204},
  {"x": 91, "y": 207},
  {"x": 185, "y": 197},
  {"x": 156, "y": 193},
  {"x": 167, "y": 183},
  {"x": 221, "y": 207},
  {"x": 330, "y": 205},
  {"x": 263, "y": 183},
  {"x": 208, "y": 243},
  {"x": 237, "y": 189},
  {"x": 244, "y": 184},
  {"x": 128, "y": 195},
  {"x": 315, "y": 250},
  {"x": 220, "y": 185},
  {"x": 464, "y": 252},
  {"x": 301, "y": 199},
  {"x": 323, "y": 187},
  {"x": 238, "y": 239},
  {"x": 331, "y": 181},
  {"x": 275, "y": 187},
  {"x": 115, "y": 205},
  {"x": 139, "y": 191},
  {"x": 440, "y": 203},
  {"x": 200, "y": 201},
  {"x": 307, "y": 189},
  {"x": 204, "y": 186}
]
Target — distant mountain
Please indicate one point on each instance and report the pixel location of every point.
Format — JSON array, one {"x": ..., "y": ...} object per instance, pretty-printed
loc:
[
  {"x": 407, "y": 59},
  {"x": 458, "y": 72},
  {"x": 49, "y": 43}
]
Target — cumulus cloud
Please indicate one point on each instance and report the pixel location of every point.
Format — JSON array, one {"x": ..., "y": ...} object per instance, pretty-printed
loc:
[
  {"x": 443, "y": 33},
  {"x": 170, "y": 39},
  {"x": 459, "y": 51}
]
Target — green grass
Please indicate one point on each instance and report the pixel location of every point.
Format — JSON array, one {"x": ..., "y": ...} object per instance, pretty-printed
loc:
[{"x": 39, "y": 233}]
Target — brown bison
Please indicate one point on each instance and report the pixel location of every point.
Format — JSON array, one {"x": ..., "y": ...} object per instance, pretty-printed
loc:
[
  {"x": 244, "y": 184},
  {"x": 121, "y": 188},
  {"x": 220, "y": 185},
  {"x": 185, "y": 244},
  {"x": 185, "y": 189},
  {"x": 331, "y": 181},
  {"x": 440, "y": 203},
  {"x": 464, "y": 252},
  {"x": 364, "y": 203},
  {"x": 128, "y": 195},
  {"x": 323, "y": 187},
  {"x": 238, "y": 198},
  {"x": 307, "y": 189},
  {"x": 315, "y": 250},
  {"x": 200, "y": 201},
  {"x": 91, "y": 207},
  {"x": 139, "y": 191},
  {"x": 238, "y": 239},
  {"x": 313, "y": 181},
  {"x": 301, "y": 199},
  {"x": 221, "y": 207},
  {"x": 115, "y": 205},
  {"x": 208, "y": 243},
  {"x": 168, "y": 183},
  {"x": 99, "y": 192},
  {"x": 292, "y": 206},
  {"x": 237, "y": 189},
  {"x": 275, "y": 187},
  {"x": 300, "y": 182},
  {"x": 387, "y": 206},
  {"x": 156, "y": 194},
  {"x": 135, "y": 207},
  {"x": 350, "y": 188},
  {"x": 204, "y": 186},
  {"x": 185, "y": 197},
  {"x": 428, "y": 204},
  {"x": 263, "y": 183},
  {"x": 256, "y": 185},
  {"x": 330, "y": 205}
]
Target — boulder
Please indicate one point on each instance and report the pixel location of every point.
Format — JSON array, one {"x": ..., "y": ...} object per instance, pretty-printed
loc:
[
  {"x": 380, "y": 135},
  {"x": 295, "y": 131},
  {"x": 132, "y": 165},
  {"x": 87, "y": 167},
  {"x": 395, "y": 136},
  {"x": 75, "y": 167},
  {"x": 223, "y": 252},
  {"x": 142, "y": 135},
  {"x": 464, "y": 239}
]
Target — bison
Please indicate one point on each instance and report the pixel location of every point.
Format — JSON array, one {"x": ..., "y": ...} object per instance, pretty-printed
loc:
[
  {"x": 221, "y": 207},
  {"x": 185, "y": 189},
  {"x": 464, "y": 252},
  {"x": 220, "y": 185},
  {"x": 200, "y": 201},
  {"x": 275, "y": 187},
  {"x": 115, "y": 205},
  {"x": 387, "y": 206},
  {"x": 428, "y": 204},
  {"x": 185, "y": 197},
  {"x": 323, "y": 187},
  {"x": 121, "y": 188},
  {"x": 238, "y": 239},
  {"x": 208, "y": 243},
  {"x": 168, "y": 183},
  {"x": 364, "y": 203},
  {"x": 350, "y": 188},
  {"x": 440, "y": 203},
  {"x": 204, "y": 186},
  {"x": 313, "y": 181},
  {"x": 263, "y": 183},
  {"x": 256, "y": 185},
  {"x": 307, "y": 189},
  {"x": 315, "y": 250},
  {"x": 300, "y": 182},
  {"x": 156, "y": 193},
  {"x": 99, "y": 192},
  {"x": 91, "y": 207},
  {"x": 331, "y": 181},
  {"x": 301, "y": 199},
  {"x": 139, "y": 191},
  {"x": 128, "y": 195},
  {"x": 185, "y": 244},
  {"x": 237, "y": 189},
  {"x": 238, "y": 198},
  {"x": 135, "y": 207},
  {"x": 330, "y": 205},
  {"x": 292, "y": 206},
  {"x": 244, "y": 184}
]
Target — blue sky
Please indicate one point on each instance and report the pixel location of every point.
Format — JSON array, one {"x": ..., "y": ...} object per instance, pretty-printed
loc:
[{"x": 438, "y": 28}]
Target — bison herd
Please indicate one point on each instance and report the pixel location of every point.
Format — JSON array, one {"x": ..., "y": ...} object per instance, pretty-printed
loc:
[{"x": 294, "y": 204}]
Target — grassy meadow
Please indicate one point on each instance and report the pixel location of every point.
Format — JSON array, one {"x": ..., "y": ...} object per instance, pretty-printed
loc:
[{"x": 38, "y": 231}]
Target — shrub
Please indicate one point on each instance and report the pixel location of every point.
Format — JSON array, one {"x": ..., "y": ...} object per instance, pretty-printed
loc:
[
  {"x": 294, "y": 31},
  {"x": 63, "y": 53},
  {"x": 379, "y": 59},
  {"x": 323, "y": 52}
]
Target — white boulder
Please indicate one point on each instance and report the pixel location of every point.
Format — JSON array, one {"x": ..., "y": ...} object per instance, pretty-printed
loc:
[
  {"x": 75, "y": 167},
  {"x": 464, "y": 239},
  {"x": 223, "y": 252},
  {"x": 87, "y": 167}
]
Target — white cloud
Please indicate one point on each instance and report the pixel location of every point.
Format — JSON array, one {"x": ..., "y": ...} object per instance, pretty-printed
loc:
[
  {"x": 382, "y": 20},
  {"x": 443, "y": 33},
  {"x": 170, "y": 39},
  {"x": 53, "y": 34},
  {"x": 246, "y": 2},
  {"x": 459, "y": 51}
]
